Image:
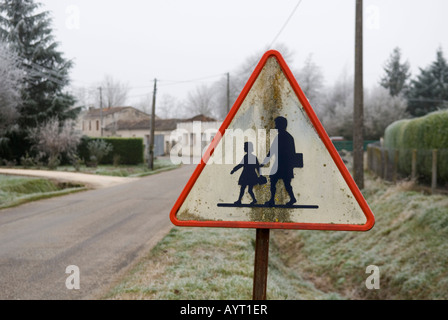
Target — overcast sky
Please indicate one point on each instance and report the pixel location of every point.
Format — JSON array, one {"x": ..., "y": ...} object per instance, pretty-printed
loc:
[{"x": 136, "y": 41}]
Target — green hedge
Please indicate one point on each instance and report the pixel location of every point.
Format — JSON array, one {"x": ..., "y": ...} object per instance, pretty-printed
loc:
[
  {"x": 130, "y": 150},
  {"x": 422, "y": 134}
]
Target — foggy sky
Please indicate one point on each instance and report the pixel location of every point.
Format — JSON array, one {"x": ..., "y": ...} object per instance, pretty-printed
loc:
[{"x": 136, "y": 41}]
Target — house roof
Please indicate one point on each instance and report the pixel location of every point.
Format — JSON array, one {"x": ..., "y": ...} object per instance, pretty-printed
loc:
[
  {"x": 160, "y": 124},
  {"x": 96, "y": 112},
  {"x": 200, "y": 117}
]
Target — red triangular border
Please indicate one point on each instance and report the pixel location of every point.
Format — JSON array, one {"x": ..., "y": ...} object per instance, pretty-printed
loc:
[{"x": 325, "y": 139}]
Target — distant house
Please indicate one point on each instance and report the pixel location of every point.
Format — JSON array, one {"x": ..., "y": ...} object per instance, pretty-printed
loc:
[
  {"x": 128, "y": 122},
  {"x": 163, "y": 129},
  {"x": 199, "y": 129},
  {"x": 89, "y": 121},
  {"x": 142, "y": 129}
]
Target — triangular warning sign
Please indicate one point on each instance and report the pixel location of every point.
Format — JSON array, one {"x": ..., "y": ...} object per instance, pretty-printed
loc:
[{"x": 272, "y": 165}]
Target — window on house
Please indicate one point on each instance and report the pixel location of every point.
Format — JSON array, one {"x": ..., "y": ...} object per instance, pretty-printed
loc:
[
  {"x": 97, "y": 125},
  {"x": 90, "y": 125}
]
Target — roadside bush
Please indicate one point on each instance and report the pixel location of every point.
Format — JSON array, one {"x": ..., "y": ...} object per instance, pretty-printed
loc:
[
  {"x": 423, "y": 134},
  {"x": 127, "y": 151},
  {"x": 26, "y": 161},
  {"x": 54, "y": 138},
  {"x": 130, "y": 150},
  {"x": 98, "y": 149}
]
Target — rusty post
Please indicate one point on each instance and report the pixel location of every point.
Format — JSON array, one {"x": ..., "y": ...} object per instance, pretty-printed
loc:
[
  {"x": 386, "y": 164},
  {"x": 434, "y": 171},
  {"x": 395, "y": 165},
  {"x": 381, "y": 163},
  {"x": 414, "y": 165},
  {"x": 261, "y": 264}
]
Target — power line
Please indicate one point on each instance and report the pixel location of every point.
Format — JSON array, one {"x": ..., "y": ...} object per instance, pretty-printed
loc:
[
  {"x": 35, "y": 69},
  {"x": 427, "y": 100},
  {"x": 27, "y": 62},
  {"x": 175, "y": 82},
  {"x": 140, "y": 95},
  {"x": 286, "y": 23},
  {"x": 280, "y": 31},
  {"x": 161, "y": 83},
  {"x": 56, "y": 77}
]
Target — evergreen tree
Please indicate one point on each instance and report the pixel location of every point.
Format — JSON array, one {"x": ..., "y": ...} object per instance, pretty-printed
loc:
[
  {"x": 27, "y": 30},
  {"x": 429, "y": 91},
  {"x": 397, "y": 74}
]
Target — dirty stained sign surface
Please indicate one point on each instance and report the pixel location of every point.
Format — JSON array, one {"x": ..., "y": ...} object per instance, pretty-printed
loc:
[{"x": 272, "y": 165}]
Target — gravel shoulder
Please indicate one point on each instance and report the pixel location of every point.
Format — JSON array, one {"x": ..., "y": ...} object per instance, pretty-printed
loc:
[{"x": 89, "y": 180}]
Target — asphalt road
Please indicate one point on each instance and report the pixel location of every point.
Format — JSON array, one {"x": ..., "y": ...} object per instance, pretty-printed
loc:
[{"x": 102, "y": 232}]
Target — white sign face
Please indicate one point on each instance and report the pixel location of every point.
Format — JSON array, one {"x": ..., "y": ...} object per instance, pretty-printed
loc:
[{"x": 272, "y": 165}]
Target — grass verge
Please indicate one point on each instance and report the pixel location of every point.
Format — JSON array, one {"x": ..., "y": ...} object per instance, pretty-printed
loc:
[
  {"x": 141, "y": 170},
  {"x": 208, "y": 264},
  {"x": 408, "y": 244},
  {"x": 16, "y": 190}
]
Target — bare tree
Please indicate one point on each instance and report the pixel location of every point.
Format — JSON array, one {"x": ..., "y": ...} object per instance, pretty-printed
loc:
[
  {"x": 332, "y": 96},
  {"x": 220, "y": 93},
  {"x": 115, "y": 93},
  {"x": 201, "y": 101},
  {"x": 54, "y": 138},
  {"x": 85, "y": 96},
  {"x": 168, "y": 107},
  {"x": 311, "y": 79},
  {"x": 238, "y": 78},
  {"x": 145, "y": 103},
  {"x": 338, "y": 116},
  {"x": 10, "y": 97},
  {"x": 381, "y": 109}
]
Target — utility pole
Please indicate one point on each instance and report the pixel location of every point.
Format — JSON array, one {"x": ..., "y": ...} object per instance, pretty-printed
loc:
[
  {"x": 101, "y": 109},
  {"x": 228, "y": 92},
  {"x": 358, "y": 112},
  {"x": 153, "y": 123}
]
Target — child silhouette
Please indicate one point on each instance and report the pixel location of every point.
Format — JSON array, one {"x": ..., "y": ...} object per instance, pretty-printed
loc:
[{"x": 250, "y": 175}]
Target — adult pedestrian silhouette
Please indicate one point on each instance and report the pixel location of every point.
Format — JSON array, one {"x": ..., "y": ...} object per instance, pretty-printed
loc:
[{"x": 283, "y": 151}]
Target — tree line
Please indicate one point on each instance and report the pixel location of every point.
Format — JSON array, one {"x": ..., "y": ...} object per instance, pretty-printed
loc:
[
  {"x": 396, "y": 96},
  {"x": 37, "y": 103},
  {"x": 34, "y": 100}
]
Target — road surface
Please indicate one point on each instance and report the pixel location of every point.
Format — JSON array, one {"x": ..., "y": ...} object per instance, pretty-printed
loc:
[{"x": 102, "y": 232}]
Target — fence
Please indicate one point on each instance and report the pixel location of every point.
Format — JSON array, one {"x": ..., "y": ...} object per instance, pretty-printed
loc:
[
  {"x": 428, "y": 167},
  {"x": 347, "y": 145}
]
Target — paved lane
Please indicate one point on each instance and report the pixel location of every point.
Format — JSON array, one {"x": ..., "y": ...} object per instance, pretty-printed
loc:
[{"x": 101, "y": 231}]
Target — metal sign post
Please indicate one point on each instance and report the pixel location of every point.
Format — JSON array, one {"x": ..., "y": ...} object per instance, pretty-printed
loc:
[{"x": 261, "y": 264}]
